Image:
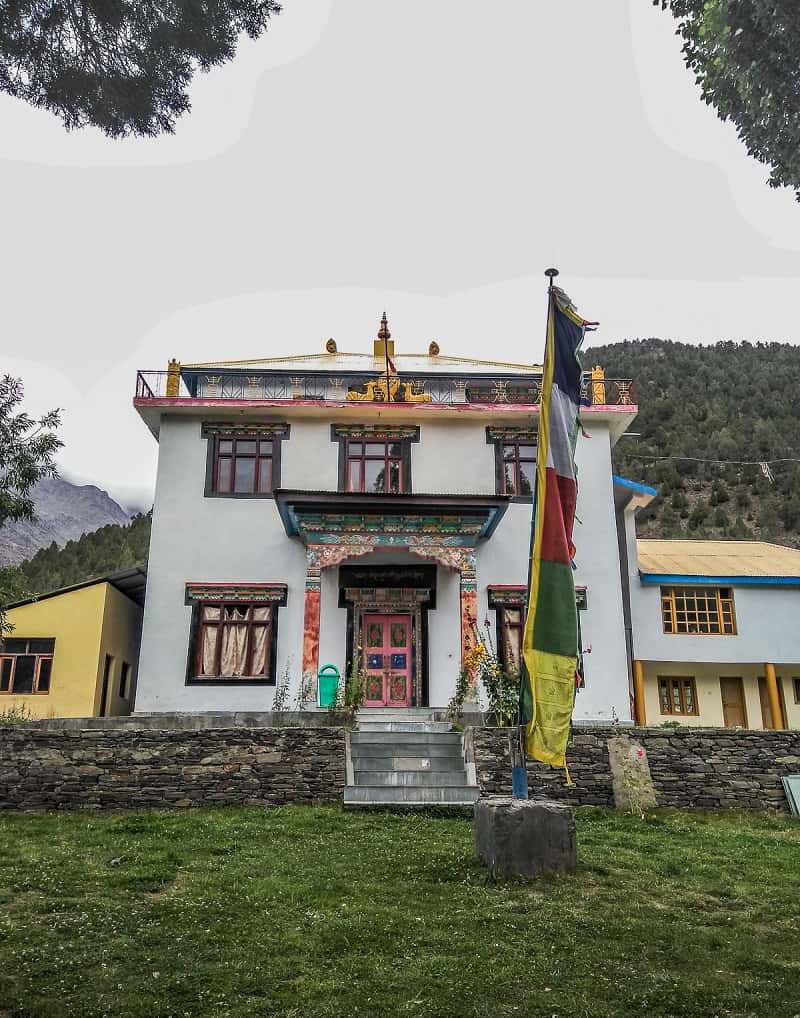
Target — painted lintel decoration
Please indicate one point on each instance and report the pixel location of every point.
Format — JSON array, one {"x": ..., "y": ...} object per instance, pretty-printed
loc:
[
  {"x": 258, "y": 429},
  {"x": 376, "y": 432},
  {"x": 251, "y": 593},
  {"x": 510, "y": 434},
  {"x": 514, "y": 596}
]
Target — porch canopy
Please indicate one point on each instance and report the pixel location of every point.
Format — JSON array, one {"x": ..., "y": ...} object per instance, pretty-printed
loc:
[{"x": 338, "y": 526}]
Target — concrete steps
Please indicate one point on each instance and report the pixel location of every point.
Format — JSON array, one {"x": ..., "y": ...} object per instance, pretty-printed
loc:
[{"x": 407, "y": 759}]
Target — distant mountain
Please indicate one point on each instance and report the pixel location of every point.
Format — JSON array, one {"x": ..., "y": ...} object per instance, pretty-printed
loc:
[
  {"x": 709, "y": 416},
  {"x": 64, "y": 512}
]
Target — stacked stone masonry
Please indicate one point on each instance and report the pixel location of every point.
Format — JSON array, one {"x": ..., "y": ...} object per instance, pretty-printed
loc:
[
  {"x": 116, "y": 769},
  {"x": 699, "y": 768},
  {"x": 42, "y": 767}
]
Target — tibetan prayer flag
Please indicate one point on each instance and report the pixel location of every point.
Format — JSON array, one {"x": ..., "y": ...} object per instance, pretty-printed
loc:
[{"x": 550, "y": 641}]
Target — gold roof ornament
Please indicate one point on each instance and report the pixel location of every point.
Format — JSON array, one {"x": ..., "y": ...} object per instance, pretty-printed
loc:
[
  {"x": 330, "y": 346},
  {"x": 433, "y": 349},
  {"x": 384, "y": 344}
]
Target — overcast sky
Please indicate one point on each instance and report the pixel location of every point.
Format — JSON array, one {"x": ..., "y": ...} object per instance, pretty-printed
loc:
[{"x": 427, "y": 156}]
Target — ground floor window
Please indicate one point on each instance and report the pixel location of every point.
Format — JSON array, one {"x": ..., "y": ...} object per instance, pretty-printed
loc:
[
  {"x": 234, "y": 641},
  {"x": 796, "y": 685},
  {"x": 677, "y": 695},
  {"x": 234, "y": 631},
  {"x": 26, "y": 665}
]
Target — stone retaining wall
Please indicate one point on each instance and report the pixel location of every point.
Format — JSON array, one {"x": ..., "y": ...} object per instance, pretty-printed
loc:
[
  {"x": 692, "y": 768},
  {"x": 43, "y": 768}
]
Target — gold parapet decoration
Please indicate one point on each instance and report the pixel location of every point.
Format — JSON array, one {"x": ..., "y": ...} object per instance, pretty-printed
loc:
[
  {"x": 598, "y": 385},
  {"x": 399, "y": 392},
  {"x": 173, "y": 378}
]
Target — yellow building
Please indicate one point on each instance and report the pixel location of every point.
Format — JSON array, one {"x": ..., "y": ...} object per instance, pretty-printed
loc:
[{"x": 74, "y": 652}]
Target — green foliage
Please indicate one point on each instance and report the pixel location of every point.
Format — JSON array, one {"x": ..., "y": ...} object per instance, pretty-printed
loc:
[
  {"x": 744, "y": 56},
  {"x": 27, "y": 450},
  {"x": 290, "y": 912},
  {"x": 455, "y": 708},
  {"x": 728, "y": 402},
  {"x": 27, "y": 454},
  {"x": 124, "y": 67},
  {"x": 107, "y": 550}
]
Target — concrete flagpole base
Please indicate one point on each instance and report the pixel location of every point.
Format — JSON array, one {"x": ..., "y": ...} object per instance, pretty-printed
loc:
[{"x": 525, "y": 837}]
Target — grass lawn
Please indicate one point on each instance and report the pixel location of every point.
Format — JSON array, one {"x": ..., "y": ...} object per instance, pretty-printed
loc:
[{"x": 306, "y": 912}]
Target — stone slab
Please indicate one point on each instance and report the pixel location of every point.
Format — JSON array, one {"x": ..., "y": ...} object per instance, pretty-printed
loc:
[{"x": 525, "y": 837}]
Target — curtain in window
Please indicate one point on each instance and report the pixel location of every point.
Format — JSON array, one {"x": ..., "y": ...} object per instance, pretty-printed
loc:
[
  {"x": 208, "y": 660},
  {"x": 234, "y": 642},
  {"x": 259, "y": 636}
]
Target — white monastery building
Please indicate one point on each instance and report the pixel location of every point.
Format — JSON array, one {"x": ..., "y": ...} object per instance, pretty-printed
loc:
[{"x": 307, "y": 507}]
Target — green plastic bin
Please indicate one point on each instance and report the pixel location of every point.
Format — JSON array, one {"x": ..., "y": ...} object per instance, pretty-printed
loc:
[{"x": 328, "y": 685}]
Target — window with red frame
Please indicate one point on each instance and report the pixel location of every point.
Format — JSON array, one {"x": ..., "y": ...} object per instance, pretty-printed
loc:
[
  {"x": 234, "y": 641},
  {"x": 26, "y": 665},
  {"x": 243, "y": 466},
  {"x": 517, "y": 468},
  {"x": 375, "y": 467}
]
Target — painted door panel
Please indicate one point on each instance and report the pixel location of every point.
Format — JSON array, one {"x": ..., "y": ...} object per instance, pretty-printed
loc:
[{"x": 387, "y": 660}]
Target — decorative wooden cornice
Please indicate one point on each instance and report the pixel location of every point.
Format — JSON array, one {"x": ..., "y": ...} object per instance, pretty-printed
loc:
[
  {"x": 510, "y": 433},
  {"x": 376, "y": 432},
  {"x": 256, "y": 429},
  {"x": 254, "y": 593}
]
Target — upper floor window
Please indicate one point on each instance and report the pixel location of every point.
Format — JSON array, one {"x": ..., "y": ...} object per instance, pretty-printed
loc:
[
  {"x": 26, "y": 665},
  {"x": 518, "y": 468},
  {"x": 243, "y": 462},
  {"x": 243, "y": 465},
  {"x": 375, "y": 467},
  {"x": 375, "y": 460},
  {"x": 515, "y": 461},
  {"x": 698, "y": 610}
]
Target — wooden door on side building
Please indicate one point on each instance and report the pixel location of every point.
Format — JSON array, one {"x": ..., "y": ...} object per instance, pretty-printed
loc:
[
  {"x": 766, "y": 710},
  {"x": 734, "y": 713}
]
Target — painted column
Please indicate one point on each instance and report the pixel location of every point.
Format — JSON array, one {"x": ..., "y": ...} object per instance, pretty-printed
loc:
[
  {"x": 311, "y": 618},
  {"x": 774, "y": 697},
  {"x": 173, "y": 378},
  {"x": 469, "y": 614},
  {"x": 638, "y": 694}
]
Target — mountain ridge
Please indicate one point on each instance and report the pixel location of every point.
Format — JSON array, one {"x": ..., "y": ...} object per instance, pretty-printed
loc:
[{"x": 64, "y": 512}]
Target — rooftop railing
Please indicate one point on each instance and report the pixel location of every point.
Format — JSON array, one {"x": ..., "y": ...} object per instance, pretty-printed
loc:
[{"x": 596, "y": 389}]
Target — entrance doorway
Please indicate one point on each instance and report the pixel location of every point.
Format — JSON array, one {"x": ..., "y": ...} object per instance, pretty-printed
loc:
[
  {"x": 734, "y": 714},
  {"x": 387, "y": 660}
]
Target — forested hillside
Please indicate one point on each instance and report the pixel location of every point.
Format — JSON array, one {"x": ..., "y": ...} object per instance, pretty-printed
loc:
[
  {"x": 106, "y": 550},
  {"x": 736, "y": 403}
]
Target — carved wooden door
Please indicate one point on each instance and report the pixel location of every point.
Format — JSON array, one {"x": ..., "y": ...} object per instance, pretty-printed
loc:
[{"x": 387, "y": 660}]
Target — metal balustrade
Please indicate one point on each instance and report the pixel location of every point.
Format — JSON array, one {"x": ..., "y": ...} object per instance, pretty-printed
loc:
[{"x": 438, "y": 389}]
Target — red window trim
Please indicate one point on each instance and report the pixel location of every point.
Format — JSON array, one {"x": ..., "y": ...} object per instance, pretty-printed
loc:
[
  {"x": 515, "y": 460},
  {"x": 259, "y": 458},
  {"x": 364, "y": 457}
]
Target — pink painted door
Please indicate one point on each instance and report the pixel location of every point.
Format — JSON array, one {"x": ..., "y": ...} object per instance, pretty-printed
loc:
[{"x": 387, "y": 660}]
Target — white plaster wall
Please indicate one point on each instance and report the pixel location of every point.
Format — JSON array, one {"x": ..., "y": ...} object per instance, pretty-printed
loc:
[
  {"x": 504, "y": 559},
  {"x": 217, "y": 539},
  {"x": 209, "y": 539}
]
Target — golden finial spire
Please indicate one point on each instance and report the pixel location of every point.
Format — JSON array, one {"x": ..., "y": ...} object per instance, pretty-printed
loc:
[{"x": 384, "y": 344}]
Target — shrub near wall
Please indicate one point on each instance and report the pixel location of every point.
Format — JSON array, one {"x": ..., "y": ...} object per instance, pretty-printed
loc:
[
  {"x": 113, "y": 769},
  {"x": 692, "y": 768}
]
